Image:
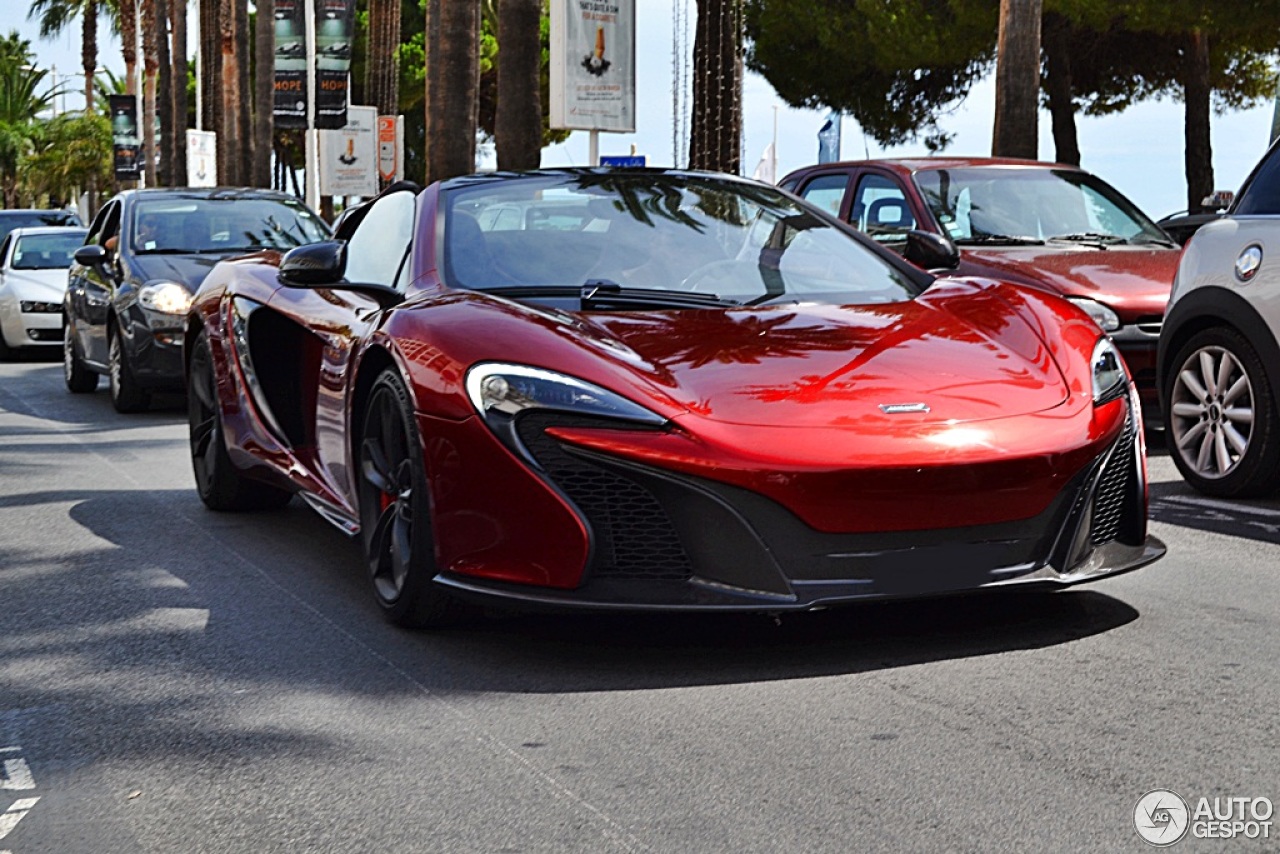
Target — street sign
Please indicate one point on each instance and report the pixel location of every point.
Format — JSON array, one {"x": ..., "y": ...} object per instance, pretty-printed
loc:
[
  {"x": 621, "y": 161},
  {"x": 202, "y": 158},
  {"x": 389, "y": 147},
  {"x": 348, "y": 157}
]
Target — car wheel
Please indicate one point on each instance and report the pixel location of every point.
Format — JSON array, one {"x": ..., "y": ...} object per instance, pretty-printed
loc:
[
  {"x": 79, "y": 379},
  {"x": 126, "y": 395},
  {"x": 1221, "y": 422},
  {"x": 6, "y": 352},
  {"x": 395, "y": 512},
  {"x": 220, "y": 484}
]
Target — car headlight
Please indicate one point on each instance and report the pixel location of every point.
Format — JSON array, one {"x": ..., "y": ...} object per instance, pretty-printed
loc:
[
  {"x": 165, "y": 297},
  {"x": 501, "y": 392},
  {"x": 1103, "y": 316},
  {"x": 1110, "y": 378}
]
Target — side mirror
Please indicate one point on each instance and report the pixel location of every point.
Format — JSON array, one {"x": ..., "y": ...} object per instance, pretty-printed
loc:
[
  {"x": 931, "y": 251},
  {"x": 322, "y": 265},
  {"x": 91, "y": 255}
]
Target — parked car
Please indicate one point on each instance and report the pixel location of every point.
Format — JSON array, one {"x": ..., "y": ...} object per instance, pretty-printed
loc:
[
  {"x": 1219, "y": 360},
  {"x": 33, "y": 278},
  {"x": 715, "y": 398},
  {"x": 35, "y": 218},
  {"x": 1057, "y": 228},
  {"x": 146, "y": 253},
  {"x": 1181, "y": 225}
]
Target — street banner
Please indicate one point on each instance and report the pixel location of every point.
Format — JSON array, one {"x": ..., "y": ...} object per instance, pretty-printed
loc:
[
  {"x": 202, "y": 158},
  {"x": 390, "y": 148},
  {"x": 125, "y": 145},
  {"x": 829, "y": 139},
  {"x": 593, "y": 65},
  {"x": 290, "y": 109},
  {"x": 349, "y": 155},
  {"x": 335, "y": 31}
]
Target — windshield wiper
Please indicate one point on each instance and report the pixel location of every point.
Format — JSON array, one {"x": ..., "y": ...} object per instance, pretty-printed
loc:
[
  {"x": 1092, "y": 237},
  {"x": 599, "y": 293},
  {"x": 999, "y": 240},
  {"x": 1152, "y": 241}
]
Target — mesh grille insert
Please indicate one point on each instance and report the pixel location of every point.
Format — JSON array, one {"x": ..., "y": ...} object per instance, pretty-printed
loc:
[{"x": 1113, "y": 486}]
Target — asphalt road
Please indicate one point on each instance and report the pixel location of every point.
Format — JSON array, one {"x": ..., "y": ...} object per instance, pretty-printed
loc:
[{"x": 174, "y": 680}]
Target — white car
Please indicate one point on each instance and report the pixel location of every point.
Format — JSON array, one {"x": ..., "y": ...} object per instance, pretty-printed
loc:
[
  {"x": 33, "y": 279},
  {"x": 1219, "y": 360}
]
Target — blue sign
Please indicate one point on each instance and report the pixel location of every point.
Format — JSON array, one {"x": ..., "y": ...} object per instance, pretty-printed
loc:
[{"x": 631, "y": 161}]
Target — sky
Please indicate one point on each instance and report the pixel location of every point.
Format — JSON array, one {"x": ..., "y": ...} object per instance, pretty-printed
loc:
[{"x": 1140, "y": 151}]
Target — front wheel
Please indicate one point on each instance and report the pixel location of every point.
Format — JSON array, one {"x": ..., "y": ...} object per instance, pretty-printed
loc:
[
  {"x": 126, "y": 394},
  {"x": 220, "y": 484},
  {"x": 1220, "y": 418},
  {"x": 78, "y": 377},
  {"x": 395, "y": 512}
]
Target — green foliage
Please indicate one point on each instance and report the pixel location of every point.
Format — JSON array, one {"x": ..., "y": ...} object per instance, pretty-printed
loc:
[{"x": 68, "y": 151}]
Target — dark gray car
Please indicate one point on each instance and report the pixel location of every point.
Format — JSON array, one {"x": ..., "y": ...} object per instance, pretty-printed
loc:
[{"x": 146, "y": 253}]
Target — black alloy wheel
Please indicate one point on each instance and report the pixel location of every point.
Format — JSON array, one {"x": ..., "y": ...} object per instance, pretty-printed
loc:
[
  {"x": 1221, "y": 421},
  {"x": 395, "y": 512},
  {"x": 126, "y": 394},
  {"x": 220, "y": 484},
  {"x": 78, "y": 377}
]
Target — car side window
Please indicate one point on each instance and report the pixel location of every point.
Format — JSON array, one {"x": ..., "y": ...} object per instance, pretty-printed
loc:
[
  {"x": 826, "y": 192},
  {"x": 377, "y": 249},
  {"x": 4, "y": 249},
  {"x": 880, "y": 208},
  {"x": 1262, "y": 196},
  {"x": 110, "y": 227}
]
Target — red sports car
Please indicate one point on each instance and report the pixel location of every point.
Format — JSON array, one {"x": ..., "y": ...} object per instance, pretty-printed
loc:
[{"x": 652, "y": 389}]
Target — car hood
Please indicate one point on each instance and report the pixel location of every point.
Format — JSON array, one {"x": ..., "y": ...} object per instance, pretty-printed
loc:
[
  {"x": 817, "y": 365},
  {"x": 36, "y": 285},
  {"x": 1133, "y": 280},
  {"x": 188, "y": 270}
]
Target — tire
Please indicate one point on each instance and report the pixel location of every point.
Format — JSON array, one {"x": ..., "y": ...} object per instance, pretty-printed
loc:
[
  {"x": 220, "y": 484},
  {"x": 7, "y": 353},
  {"x": 126, "y": 394},
  {"x": 78, "y": 377},
  {"x": 395, "y": 512},
  {"x": 1221, "y": 423}
]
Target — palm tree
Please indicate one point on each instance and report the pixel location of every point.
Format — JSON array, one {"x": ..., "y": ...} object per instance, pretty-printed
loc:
[
  {"x": 57, "y": 15},
  {"x": 178, "y": 100},
  {"x": 264, "y": 36},
  {"x": 518, "y": 123},
  {"x": 228, "y": 126},
  {"x": 150, "y": 69},
  {"x": 716, "y": 128},
  {"x": 1017, "y": 80},
  {"x": 453, "y": 81},
  {"x": 129, "y": 43},
  {"x": 21, "y": 100}
]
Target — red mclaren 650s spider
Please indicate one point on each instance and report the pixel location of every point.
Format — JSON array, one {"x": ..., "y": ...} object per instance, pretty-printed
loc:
[{"x": 653, "y": 389}]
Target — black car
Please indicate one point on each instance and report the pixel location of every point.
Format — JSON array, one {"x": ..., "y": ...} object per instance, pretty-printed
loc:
[
  {"x": 35, "y": 218},
  {"x": 146, "y": 253}
]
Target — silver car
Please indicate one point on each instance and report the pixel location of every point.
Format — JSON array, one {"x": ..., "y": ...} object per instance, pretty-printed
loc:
[{"x": 1218, "y": 360}]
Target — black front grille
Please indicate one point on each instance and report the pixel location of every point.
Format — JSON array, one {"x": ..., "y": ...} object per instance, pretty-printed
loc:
[
  {"x": 634, "y": 537},
  {"x": 1113, "y": 486}
]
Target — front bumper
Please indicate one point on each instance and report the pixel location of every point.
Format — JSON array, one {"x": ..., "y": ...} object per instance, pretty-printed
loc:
[
  {"x": 29, "y": 329},
  {"x": 663, "y": 540}
]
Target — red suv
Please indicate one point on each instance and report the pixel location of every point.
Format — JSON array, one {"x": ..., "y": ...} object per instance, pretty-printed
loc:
[{"x": 1053, "y": 227}]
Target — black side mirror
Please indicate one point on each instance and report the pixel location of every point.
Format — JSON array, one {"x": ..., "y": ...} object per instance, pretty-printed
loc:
[
  {"x": 91, "y": 255},
  {"x": 931, "y": 251},
  {"x": 322, "y": 265}
]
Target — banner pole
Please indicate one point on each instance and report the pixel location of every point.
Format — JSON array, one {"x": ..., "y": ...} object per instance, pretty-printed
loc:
[{"x": 312, "y": 141}]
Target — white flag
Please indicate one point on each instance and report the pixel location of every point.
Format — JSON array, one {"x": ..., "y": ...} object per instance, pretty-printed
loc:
[{"x": 767, "y": 168}]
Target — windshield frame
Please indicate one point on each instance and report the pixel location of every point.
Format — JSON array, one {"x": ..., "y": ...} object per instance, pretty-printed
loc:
[{"x": 912, "y": 280}]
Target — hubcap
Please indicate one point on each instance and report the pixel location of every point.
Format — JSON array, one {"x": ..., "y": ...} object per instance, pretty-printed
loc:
[
  {"x": 113, "y": 365},
  {"x": 386, "y": 473},
  {"x": 1212, "y": 410},
  {"x": 68, "y": 355}
]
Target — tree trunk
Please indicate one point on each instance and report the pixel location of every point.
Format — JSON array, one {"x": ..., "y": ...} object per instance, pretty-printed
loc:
[
  {"x": 431, "y": 44},
  {"x": 129, "y": 44},
  {"x": 89, "y": 51},
  {"x": 1058, "y": 84},
  {"x": 381, "y": 79},
  {"x": 1017, "y": 80},
  {"x": 164, "y": 93},
  {"x": 244, "y": 121},
  {"x": 229, "y": 96},
  {"x": 150, "y": 69},
  {"x": 518, "y": 122},
  {"x": 1198, "y": 153},
  {"x": 210, "y": 66},
  {"x": 178, "y": 100},
  {"x": 715, "y": 139},
  {"x": 454, "y": 71},
  {"x": 264, "y": 47}
]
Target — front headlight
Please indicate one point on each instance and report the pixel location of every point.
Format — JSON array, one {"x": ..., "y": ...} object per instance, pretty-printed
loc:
[
  {"x": 1103, "y": 316},
  {"x": 501, "y": 392},
  {"x": 165, "y": 297},
  {"x": 1110, "y": 378}
]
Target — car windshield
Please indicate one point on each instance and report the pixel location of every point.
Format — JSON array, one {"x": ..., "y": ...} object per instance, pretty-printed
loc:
[
  {"x": 645, "y": 231},
  {"x": 980, "y": 203},
  {"x": 231, "y": 223},
  {"x": 46, "y": 251},
  {"x": 9, "y": 220}
]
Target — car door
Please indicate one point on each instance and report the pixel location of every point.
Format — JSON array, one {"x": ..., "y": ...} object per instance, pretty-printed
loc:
[
  {"x": 378, "y": 244},
  {"x": 882, "y": 209},
  {"x": 89, "y": 290}
]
